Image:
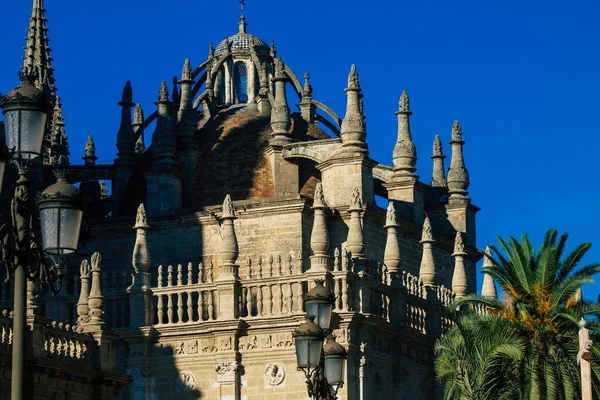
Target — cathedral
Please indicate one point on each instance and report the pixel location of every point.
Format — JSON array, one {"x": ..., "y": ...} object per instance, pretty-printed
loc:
[{"x": 237, "y": 206}]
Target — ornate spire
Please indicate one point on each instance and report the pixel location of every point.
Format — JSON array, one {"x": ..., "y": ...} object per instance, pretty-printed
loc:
[
  {"x": 319, "y": 237},
  {"x": 95, "y": 299},
  {"x": 82, "y": 305},
  {"x": 458, "y": 176},
  {"x": 59, "y": 143},
  {"x": 242, "y": 24},
  {"x": 280, "y": 112},
  {"x": 307, "y": 108},
  {"x": 229, "y": 250},
  {"x": 307, "y": 89},
  {"x": 126, "y": 136},
  {"x": 405, "y": 152},
  {"x": 355, "y": 242},
  {"x": 459, "y": 277},
  {"x": 211, "y": 51},
  {"x": 353, "y": 126},
  {"x": 273, "y": 52},
  {"x": 175, "y": 97},
  {"x": 37, "y": 50},
  {"x": 488, "y": 288},
  {"x": 209, "y": 81},
  {"x": 439, "y": 175},
  {"x": 186, "y": 116},
  {"x": 391, "y": 254},
  {"x": 90, "y": 151},
  {"x": 427, "y": 271},
  {"x": 163, "y": 139},
  {"x": 138, "y": 121}
]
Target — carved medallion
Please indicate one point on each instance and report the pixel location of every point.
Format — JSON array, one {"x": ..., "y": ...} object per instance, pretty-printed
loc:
[
  {"x": 186, "y": 381},
  {"x": 274, "y": 374}
]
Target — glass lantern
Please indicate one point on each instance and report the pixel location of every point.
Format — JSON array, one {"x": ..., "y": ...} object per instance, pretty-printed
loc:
[
  {"x": 309, "y": 343},
  {"x": 335, "y": 362},
  {"x": 319, "y": 302},
  {"x": 61, "y": 213},
  {"x": 26, "y": 111}
]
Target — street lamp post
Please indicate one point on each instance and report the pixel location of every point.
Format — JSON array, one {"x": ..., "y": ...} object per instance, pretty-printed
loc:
[
  {"x": 26, "y": 111},
  {"x": 323, "y": 365}
]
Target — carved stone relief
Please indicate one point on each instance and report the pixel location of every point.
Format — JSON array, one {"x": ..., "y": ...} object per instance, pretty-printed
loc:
[
  {"x": 274, "y": 374},
  {"x": 186, "y": 381}
]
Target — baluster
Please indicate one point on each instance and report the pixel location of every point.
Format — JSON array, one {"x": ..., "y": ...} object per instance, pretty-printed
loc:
[
  {"x": 160, "y": 276},
  {"x": 336, "y": 260},
  {"x": 210, "y": 305},
  {"x": 260, "y": 261},
  {"x": 249, "y": 301},
  {"x": 200, "y": 273},
  {"x": 279, "y": 266},
  {"x": 180, "y": 307},
  {"x": 243, "y": 301},
  {"x": 289, "y": 298},
  {"x": 201, "y": 306},
  {"x": 299, "y": 301},
  {"x": 270, "y": 266},
  {"x": 160, "y": 309},
  {"x": 259, "y": 303},
  {"x": 179, "y": 275},
  {"x": 170, "y": 308},
  {"x": 190, "y": 277},
  {"x": 344, "y": 259},
  {"x": 190, "y": 306},
  {"x": 210, "y": 271},
  {"x": 169, "y": 276},
  {"x": 269, "y": 300},
  {"x": 344, "y": 295},
  {"x": 280, "y": 296},
  {"x": 249, "y": 268},
  {"x": 299, "y": 263},
  {"x": 336, "y": 292},
  {"x": 290, "y": 269}
]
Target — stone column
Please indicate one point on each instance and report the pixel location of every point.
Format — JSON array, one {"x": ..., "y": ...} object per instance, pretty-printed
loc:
[
  {"x": 83, "y": 308},
  {"x": 319, "y": 238},
  {"x": 391, "y": 255},
  {"x": 140, "y": 294},
  {"x": 459, "y": 277},
  {"x": 427, "y": 272},
  {"x": 280, "y": 112},
  {"x": 583, "y": 359},
  {"x": 228, "y": 282},
  {"x": 355, "y": 242},
  {"x": 488, "y": 288}
]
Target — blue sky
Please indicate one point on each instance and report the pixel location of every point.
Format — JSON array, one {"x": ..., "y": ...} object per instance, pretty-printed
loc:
[{"x": 521, "y": 77}]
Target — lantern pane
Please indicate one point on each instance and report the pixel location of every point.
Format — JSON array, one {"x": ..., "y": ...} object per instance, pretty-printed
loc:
[
  {"x": 312, "y": 308},
  {"x": 302, "y": 352},
  {"x": 49, "y": 225},
  {"x": 315, "y": 346},
  {"x": 11, "y": 122},
  {"x": 324, "y": 317},
  {"x": 70, "y": 224},
  {"x": 28, "y": 140},
  {"x": 334, "y": 370}
]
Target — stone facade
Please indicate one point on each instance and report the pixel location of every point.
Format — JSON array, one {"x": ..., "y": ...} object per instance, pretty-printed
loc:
[{"x": 207, "y": 306}]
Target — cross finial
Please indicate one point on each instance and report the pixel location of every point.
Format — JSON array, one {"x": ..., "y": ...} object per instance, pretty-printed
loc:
[{"x": 242, "y": 5}]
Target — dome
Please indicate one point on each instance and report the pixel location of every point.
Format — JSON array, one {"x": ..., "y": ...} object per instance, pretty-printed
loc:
[{"x": 242, "y": 42}]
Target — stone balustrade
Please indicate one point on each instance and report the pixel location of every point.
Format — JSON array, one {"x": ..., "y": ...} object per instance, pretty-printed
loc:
[
  {"x": 63, "y": 343},
  {"x": 6, "y": 333}
]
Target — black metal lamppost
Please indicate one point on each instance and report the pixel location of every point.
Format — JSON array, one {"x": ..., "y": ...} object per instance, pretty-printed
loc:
[
  {"x": 323, "y": 365},
  {"x": 26, "y": 110}
]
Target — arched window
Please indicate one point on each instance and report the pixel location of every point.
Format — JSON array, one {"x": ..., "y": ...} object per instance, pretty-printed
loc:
[
  {"x": 221, "y": 85},
  {"x": 240, "y": 82}
]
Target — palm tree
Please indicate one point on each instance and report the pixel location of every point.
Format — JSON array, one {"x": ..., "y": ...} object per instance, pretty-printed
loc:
[
  {"x": 543, "y": 304},
  {"x": 476, "y": 358}
]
